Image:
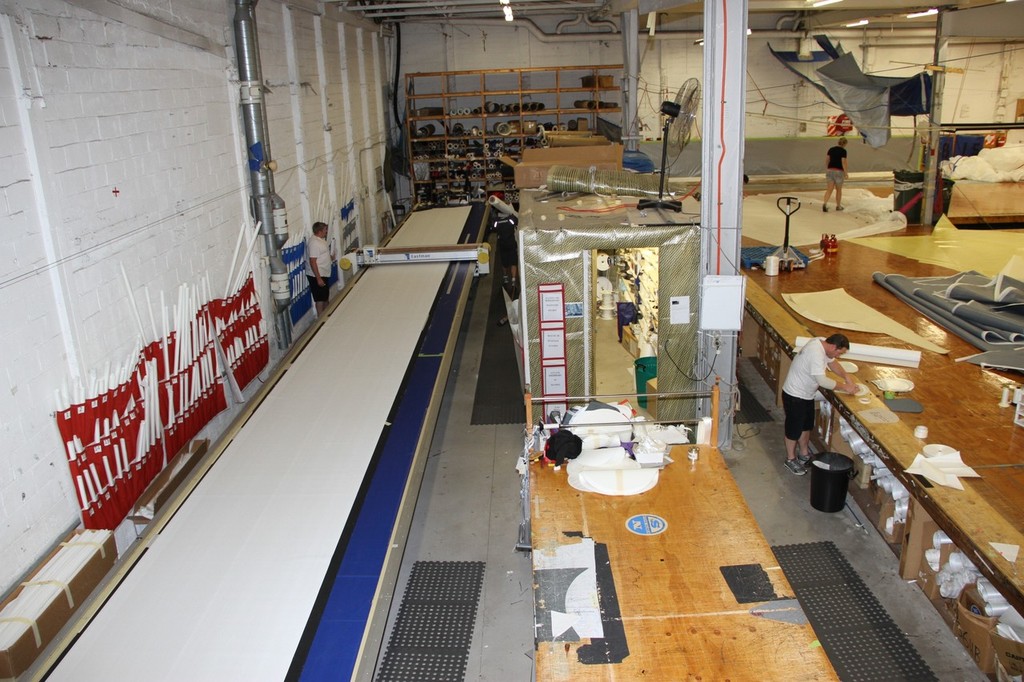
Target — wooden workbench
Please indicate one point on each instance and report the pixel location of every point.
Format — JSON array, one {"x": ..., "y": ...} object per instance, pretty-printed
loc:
[
  {"x": 679, "y": 619},
  {"x": 960, "y": 403}
]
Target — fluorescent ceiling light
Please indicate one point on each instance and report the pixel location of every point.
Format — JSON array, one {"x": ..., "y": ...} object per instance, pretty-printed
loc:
[
  {"x": 508, "y": 12},
  {"x": 862, "y": 22},
  {"x": 926, "y": 13},
  {"x": 822, "y": 3}
]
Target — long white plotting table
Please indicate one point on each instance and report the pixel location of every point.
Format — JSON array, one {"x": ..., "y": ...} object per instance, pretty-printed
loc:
[{"x": 225, "y": 590}]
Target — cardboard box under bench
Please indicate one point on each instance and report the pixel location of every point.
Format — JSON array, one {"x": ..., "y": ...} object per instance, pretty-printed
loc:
[
  {"x": 18, "y": 657},
  {"x": 975, "y": 630}
]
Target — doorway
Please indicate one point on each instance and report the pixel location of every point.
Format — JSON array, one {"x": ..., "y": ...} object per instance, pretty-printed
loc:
[{"x": 625, "y": 321}]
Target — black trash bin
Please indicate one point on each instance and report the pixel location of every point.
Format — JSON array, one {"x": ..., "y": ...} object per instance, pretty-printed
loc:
[
  {"x": 830, "y": 476},
  {"x": 908, "y": 191}
]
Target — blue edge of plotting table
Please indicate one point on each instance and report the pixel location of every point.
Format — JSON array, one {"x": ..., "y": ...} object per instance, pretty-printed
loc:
[{"x": 331, "y": 642}]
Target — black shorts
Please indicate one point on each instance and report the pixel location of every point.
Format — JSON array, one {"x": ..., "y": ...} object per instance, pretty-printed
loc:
[
  {"x": 509, "y": 254},
  {"x": 799, "y": 415},
  {"x": 321, "y": 294}
]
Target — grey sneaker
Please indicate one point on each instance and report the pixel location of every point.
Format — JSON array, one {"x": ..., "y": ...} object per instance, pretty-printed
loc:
[
  {"x": 804, "y": 459},
  {"x": 795, "y": 467}
]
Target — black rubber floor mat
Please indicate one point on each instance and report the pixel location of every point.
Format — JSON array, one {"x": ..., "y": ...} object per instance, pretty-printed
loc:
[
  {"x": 861, "y": 640},
  {"x": 751, "y": 411},
  {"x": 432, "y": 633},
  {"x": 498, "y": 398}
]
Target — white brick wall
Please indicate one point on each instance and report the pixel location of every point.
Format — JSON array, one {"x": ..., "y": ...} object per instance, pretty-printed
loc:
[{"x": 158, "y": 120}]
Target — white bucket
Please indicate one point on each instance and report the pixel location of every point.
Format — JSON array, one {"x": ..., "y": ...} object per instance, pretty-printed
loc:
[{"x": 771, "y": 266}]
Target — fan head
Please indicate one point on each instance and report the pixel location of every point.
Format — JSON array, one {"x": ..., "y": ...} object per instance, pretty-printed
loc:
[{"x": 688, "y": 99}]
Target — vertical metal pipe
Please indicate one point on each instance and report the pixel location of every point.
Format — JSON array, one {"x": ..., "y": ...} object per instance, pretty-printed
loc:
[{"x": 266, "y": 206}]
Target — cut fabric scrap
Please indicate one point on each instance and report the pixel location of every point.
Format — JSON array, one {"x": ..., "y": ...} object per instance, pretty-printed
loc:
[
  {"x": 878, "y": 415},
  {"x": 982, "y": 250},
  {"x": 1008, "y": 552},
  {"x": 836, "y": 308},
  {"x": 945, "y": 469}
]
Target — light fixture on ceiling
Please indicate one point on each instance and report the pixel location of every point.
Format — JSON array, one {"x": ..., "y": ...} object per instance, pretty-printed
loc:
[
  {"x": 926, "y": 13},
  {"x": 822, "y": 3},
  {"x": 507, "y": 9},
  {"x": 862, "y": 22}
]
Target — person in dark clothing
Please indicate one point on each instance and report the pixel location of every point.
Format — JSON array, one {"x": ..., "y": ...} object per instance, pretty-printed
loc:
[
  {"x": 508, "y": 252},
  {"x": 835, "y": 173}
]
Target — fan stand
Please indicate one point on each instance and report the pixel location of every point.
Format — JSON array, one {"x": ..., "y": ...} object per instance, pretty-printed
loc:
[
  {"x": 788, "y": 258},
  {"x": 661, "y": 201}
]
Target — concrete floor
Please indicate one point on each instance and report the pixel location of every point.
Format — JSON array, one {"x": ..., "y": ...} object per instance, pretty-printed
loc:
[{"x": 469, "y": 510}]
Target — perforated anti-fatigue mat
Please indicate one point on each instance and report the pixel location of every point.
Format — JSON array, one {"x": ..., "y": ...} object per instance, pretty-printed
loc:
[
  {"x": 499, "y": 397},
  {"x": 433, "y": 631},
  {"x": 861, "y": 640},
  {"x": 751, "y": 411}
]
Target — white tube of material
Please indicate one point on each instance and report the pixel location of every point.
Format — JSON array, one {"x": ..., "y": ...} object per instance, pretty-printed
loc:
[
  {"x": 501, "y": 206},
  {"x": 877, "y": 354}
]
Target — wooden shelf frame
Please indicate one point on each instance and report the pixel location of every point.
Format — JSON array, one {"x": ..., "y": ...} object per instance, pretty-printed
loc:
[{"x": 460, "y": 123}]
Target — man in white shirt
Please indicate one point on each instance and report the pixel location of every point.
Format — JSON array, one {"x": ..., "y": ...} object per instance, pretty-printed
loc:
[
  {"x": 318, "y": 266},
  {"x": 806, "y": 375}
]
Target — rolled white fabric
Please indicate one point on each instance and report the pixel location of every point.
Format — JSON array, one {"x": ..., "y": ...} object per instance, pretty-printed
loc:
[{"x": 996, "y": 607}]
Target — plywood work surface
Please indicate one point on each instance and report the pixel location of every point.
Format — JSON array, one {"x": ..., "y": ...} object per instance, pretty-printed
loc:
[
  {"x": 680, "y": 618},
  {"x": 959, "y": 399}
]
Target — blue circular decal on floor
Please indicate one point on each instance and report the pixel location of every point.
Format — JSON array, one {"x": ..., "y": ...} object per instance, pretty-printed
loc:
[{"x": 646, "y": 524}]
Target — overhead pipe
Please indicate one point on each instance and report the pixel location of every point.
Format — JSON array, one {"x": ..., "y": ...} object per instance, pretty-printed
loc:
[
  {"x": 792, "y": 19},
  {"x": 545, "y": 37},
  {"x": 585, "y": 19},
  {"x": 267, "y": 207}
]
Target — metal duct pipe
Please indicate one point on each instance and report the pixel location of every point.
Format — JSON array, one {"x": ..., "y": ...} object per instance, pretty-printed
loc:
[
  {"x": 267, "y": 207},
  {"x": 583, "y": 18},
  {"x": 607, "y": 23},
  {"x": 792, "y": 19},
  {"x": 569, "y": 22}
]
